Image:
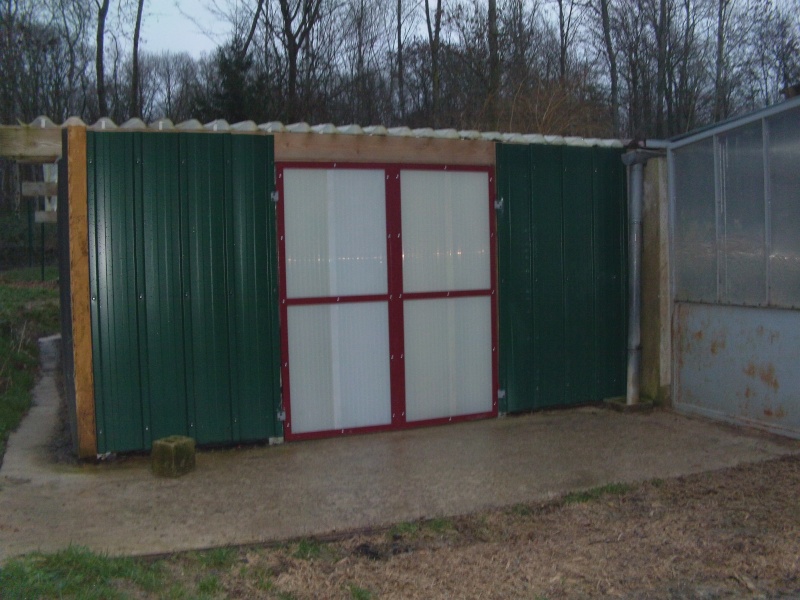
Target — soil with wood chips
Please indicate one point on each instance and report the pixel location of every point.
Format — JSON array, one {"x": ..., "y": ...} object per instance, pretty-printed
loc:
[{"x": 733, "y": 533}]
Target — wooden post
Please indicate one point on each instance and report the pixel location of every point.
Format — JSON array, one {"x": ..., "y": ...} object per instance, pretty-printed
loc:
[{"x": 80, "y": 292}]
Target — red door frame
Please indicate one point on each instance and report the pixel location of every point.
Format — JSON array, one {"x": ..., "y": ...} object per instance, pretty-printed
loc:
[{"x": 395, "y": 296}]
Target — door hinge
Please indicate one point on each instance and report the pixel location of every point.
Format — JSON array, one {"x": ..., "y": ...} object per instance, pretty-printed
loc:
[
  {"x": 501, "y": 394},
  {"x": 274, "y": 196},
  {"x": 281, "y": 415},
  {"x": 498, "y": 204}
]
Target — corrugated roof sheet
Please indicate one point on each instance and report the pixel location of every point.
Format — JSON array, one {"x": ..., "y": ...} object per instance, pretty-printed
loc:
[{"x": 105, "y": 123}]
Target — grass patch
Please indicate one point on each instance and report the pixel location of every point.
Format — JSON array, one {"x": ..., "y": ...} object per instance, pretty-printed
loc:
[
  {"x": 209, "y": 585},
  {"x": 440, "y": 525},
  {"x": 30, "y": 274},
  {"x": 403, "y": 529},
  {"x": 612, "y": 489},
  {"x": 218, "y": 558},
  {"x": 28, "y": 311},
  {"x": 78, "y": 573},
  {"x": 359, "y": 593},
  {"x": 307, "y": 549}
]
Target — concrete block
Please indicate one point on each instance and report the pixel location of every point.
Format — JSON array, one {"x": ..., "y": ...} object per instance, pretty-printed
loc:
[
  {"x": 173, "y": 456},
  {"x": 50, "y": 353}
]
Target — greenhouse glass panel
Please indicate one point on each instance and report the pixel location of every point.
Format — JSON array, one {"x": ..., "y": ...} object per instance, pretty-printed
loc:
[
  {"x": 784, "y": 185},
  {"x": 695, "y": 223},
  {"x": 744, "y": 267}
]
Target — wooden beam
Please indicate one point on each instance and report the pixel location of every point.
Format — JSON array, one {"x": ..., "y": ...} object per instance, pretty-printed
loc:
[
  {"x": 30, "y": 144},
  {"x": 36, "y": 189},
  {"x": 315, "y": 147},
  {"x": 77, "y": 187}
]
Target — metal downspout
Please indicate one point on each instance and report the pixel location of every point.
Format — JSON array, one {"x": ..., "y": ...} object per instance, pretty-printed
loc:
[{"x": 635, "y": 160}]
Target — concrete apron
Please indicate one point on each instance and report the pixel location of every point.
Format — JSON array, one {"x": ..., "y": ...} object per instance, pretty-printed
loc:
[{"x": 251, "y": 495}]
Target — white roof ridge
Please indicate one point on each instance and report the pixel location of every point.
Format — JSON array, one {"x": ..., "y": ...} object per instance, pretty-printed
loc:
[{"x": 166, "y": 124}]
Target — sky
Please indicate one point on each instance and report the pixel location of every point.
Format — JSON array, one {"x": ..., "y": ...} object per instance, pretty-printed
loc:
[{"x": 165, "y": 26}]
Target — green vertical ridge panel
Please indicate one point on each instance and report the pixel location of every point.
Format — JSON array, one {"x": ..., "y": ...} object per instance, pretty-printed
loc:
[
  {"x": 578, "y": 275},
  {"x": 505, "y": 372},
  {"x": 93, "y": 182},
  {"x": 516, "y": 281},
  {"x": 610, "y": 266},
  {"x": 139, "y": 254},
  {"x": 252, "y": 356},
  {"x": 127, "y": 425},
  {"x": 114, "y": 288},
  {"x": 233, "y": 247},
  {"x": 163, "y": 353},
  {"x": 548, "y": 312},
  {"x": 186, "y": 240},
  {"x": 209, "y": 305},
  {"x": 272, "y": 300}
]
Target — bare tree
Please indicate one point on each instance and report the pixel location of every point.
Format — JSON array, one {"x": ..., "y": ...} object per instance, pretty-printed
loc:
[
  {"x": 102, "y": 13},
  {"x": 494, "y": 62},
  {"x": 401, "y": 96},
  {"x": 136, "y": 100},
  {"x": 433, "y": 23},
  {"x": 612, "y": 63}
]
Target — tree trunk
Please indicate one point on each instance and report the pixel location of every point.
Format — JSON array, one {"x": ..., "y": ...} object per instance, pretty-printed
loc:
[
  {"x": 136, "y": 105},
  {"x": 434, "y": 31},
  {"x": 253, "y": 26},
  {"x": 612, "y": 66},
  {"x": 720, "y": 110},
  {"x": 400, "y": 69},
  {"x": 494, "y": 66},
  {"x": 102, "y": 103},
  {"x": 563, "y": 40},
  {"x": 662, "y": 31}
]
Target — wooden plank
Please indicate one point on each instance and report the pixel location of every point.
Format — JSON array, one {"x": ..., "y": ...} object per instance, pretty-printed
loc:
[
  {"x": 315, "y": 147},
  {"x": 30, "y": 144},
  {"x": 36, "y": 189},
  {"x": 33, "y": 145},
  {"x": 45, "y": 216},
  {"x": 79, "y": 280}
]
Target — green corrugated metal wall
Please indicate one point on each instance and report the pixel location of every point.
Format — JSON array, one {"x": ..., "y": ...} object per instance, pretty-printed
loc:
[
  {"x": 562, "y": 271},
  {"x": 183, "y": 276}
]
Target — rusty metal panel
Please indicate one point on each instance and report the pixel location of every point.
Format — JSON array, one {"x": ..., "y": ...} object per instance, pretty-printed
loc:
[{"x": 738, "y": 364}]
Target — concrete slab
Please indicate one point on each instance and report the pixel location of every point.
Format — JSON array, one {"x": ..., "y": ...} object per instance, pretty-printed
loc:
[{"x": 260, "y": 494}]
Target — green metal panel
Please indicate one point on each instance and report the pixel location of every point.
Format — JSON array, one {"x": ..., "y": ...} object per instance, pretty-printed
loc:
[
  {"x": 610, "y": 267},
  {"x": 562, "y": 272},
  {"x": 515, "y": 275},
  {"x": 205, "y": 156},
  {"x": 548, "y": 309},
  {"x": 162, "y": 354},
  {"x": 183, "y": 275},
  {"x": 578, "y": 276},
  {"x": 254, "y": 314},
  {"x": 113, "y": 293}
]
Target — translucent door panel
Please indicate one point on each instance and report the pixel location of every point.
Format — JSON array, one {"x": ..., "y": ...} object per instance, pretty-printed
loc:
[
  {"x": 445, "y": 219},
  {"x": 335, "y": 227},
  {"x": 448, "y": 357},
  {"x": 339, "y": 358}
]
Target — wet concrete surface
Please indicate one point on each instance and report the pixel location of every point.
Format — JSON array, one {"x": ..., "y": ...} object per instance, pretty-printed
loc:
[{"x": 261, "y": 494}]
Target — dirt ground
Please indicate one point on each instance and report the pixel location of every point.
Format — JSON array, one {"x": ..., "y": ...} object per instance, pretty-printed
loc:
[{"x": 733, "y": 533}]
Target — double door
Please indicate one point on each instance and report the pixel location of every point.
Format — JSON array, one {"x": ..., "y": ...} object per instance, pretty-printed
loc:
[{"x": 388, "y": 296}]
